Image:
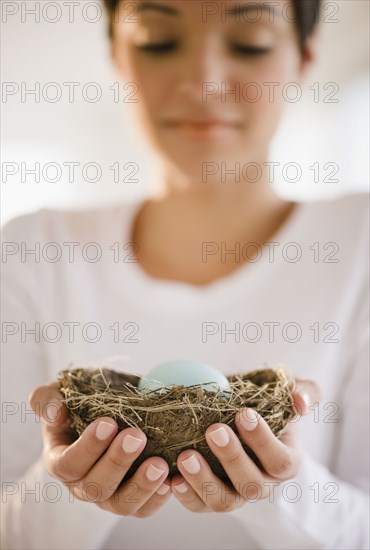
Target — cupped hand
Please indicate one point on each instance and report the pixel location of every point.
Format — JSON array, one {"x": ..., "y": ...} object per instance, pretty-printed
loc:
[
  {"x": 200, "y": 490},
  {"x": 93, "y": 465}
]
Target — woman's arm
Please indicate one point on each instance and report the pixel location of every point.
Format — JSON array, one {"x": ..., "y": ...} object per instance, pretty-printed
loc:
[
  {"x": 37, "y": 511},
  {"x": 333, "y": 509}
]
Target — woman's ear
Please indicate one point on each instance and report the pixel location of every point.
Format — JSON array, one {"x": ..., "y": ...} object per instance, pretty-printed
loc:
[
  {"x": 117, "y": 63},
  {"x": 113, "y": 54},
  {"x": 309, "y": 54}
]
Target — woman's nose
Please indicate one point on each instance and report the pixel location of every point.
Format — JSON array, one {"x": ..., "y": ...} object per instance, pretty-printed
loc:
[{"x": 202, "y": 72}]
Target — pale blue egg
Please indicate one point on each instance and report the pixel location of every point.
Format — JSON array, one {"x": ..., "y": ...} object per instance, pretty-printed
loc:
[{"x": 185, "y": 373}]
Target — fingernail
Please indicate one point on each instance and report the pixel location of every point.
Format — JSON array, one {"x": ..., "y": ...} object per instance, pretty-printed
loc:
[
  {"x": 52, "y": 412},
  {"x": 181, "y": 488},
  {"x": 191, "y": 464},
  {"x": 306, "y": 399},
  {"x": 104, "y": 430},
  {"x": 131, "y": 444},
  {"x": 153, "y": 473},
  {"x": 248, "y": 419},
  {"x": 220, "y": 437},
  {"x": 163, "y": 489}
]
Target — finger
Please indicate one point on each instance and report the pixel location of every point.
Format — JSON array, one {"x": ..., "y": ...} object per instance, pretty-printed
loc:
[
  {"x": 188, "y": 497},
  {"x": 278, "y": 459},
  {"x": 306, "y": 394},
  {"x": 114, "y": 464},
  {"x": 135, "y": 492},
  {"x": 246, "y": 477},
  {"x": 155, "y": 502},
  {"x": 46, "y": 402},
  {"x": 72, "y": 461},
  {"x": 211, "y": 489}
]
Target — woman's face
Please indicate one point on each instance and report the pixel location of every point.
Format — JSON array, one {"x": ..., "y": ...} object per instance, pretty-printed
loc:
[{"x": 194, "y": 62}]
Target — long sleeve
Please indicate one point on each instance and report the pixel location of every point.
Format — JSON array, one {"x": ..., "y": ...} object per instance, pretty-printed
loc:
[
  {"x": 322, "y": 507},
  {"x": 315, "y": 510},
  {"x": 37, "y": 510}
]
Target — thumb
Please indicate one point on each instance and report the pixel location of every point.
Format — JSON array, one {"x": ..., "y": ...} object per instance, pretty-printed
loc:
[
  {"x": 306, "y": 394},
  {"x": 46, "y": 402}
]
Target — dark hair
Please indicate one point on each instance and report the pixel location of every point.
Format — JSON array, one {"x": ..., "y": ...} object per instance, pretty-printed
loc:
[{"x": 306, "y": 17}]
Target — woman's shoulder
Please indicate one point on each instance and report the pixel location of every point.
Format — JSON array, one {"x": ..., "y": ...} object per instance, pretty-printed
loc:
[
  {"x": 342, "y": 224},
  {"x": 52, "y": 223},
  {"x": 354, "y": 205},
  {"x": 344, "y": 217}
]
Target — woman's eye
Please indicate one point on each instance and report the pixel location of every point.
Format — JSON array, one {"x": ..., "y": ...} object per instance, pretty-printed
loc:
[
  {"x": 250, "y": 50},
  {"x": 163, "y": 47},
  {"x": 166, "y": 47}
]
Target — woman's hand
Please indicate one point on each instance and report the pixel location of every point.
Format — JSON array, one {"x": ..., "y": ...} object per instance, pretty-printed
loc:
[
  {"x": 93, "y": 465},
  {"x": 200, "y": 490}
]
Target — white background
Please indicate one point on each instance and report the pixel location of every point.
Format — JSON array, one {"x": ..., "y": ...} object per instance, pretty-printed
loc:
[{"x": 102, "y": 132}]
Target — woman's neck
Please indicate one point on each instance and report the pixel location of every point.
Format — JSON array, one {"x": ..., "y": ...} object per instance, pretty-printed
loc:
[{"x": 181, "y": 233}]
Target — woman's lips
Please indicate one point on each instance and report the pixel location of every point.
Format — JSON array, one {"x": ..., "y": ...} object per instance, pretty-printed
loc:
[{"x": 203, "y": 130}]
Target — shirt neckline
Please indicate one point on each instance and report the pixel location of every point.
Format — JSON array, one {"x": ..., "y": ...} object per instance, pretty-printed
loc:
[{"x": 154, "y": 293}]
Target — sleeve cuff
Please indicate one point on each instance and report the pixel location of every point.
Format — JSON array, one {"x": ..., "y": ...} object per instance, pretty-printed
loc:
[
  {"x": 38, "y": 511},
  {"x": 314, "y": 510}
]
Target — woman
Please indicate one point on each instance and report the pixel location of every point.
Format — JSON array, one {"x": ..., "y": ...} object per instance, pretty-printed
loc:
[{"x": 214, "y": 267}]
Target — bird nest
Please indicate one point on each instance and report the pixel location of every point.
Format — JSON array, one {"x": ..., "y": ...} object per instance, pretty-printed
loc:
[{"x": 177, "y": 419}]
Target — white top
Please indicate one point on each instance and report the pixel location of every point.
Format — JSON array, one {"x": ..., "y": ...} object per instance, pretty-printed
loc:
[{"x": 303, "y": 304}]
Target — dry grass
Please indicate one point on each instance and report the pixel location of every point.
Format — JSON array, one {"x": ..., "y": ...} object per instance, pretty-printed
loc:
[{"x": 176, "y": 420}]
